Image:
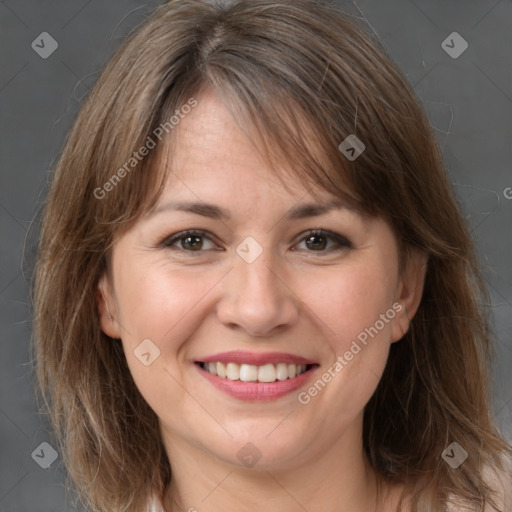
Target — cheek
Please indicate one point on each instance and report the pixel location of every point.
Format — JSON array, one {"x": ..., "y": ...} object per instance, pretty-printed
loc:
[
  {"x": 350, "y": 304},
  {"x": 352, "y": 299},
  {"x": 166, "y": 307},
  {"x": 160, "y": 304},
  {"x": 163, "y": 304}
]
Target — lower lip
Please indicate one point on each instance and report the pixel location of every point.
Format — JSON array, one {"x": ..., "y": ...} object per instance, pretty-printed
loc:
[{"x": 256, "y": 391}]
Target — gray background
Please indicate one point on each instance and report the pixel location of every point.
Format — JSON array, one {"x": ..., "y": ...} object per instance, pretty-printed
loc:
[{"x": 468, "y": 100}]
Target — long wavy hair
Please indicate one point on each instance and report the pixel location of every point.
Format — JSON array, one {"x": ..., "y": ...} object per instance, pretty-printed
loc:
[{"x": 300, "y": 77}]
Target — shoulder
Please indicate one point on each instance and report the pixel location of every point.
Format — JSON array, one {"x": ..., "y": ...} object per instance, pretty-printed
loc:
[{"x": 498, "y": 480}]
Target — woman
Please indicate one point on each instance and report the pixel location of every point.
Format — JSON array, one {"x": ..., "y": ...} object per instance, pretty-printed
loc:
[{"x": 254, "y": 287}]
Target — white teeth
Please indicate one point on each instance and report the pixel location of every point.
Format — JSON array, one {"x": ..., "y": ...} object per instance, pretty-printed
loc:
[
  {"x": 233, "y": 371},
  {"x": 282, "y": 371},
  {"x": 221, "y": 369},
  {"x": 248, "y": 373},
  {"x": 267, "y": 373},
  {"x": 253, "y": 373}
]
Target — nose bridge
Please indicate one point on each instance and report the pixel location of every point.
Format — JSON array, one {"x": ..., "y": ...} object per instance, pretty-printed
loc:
[
  {"x": 255, "y": 269},
  {"x": 257, "y": 300},
  {"x": 258, "y": 276}
]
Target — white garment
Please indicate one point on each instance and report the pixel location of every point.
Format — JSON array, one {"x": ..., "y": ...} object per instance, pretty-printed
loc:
[
  {"x": 156, "y": 505},
  {"x": 500, "y": 482}
]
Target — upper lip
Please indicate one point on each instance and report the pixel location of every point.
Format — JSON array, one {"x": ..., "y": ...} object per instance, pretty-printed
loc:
[{"x": 257, "y": 359}]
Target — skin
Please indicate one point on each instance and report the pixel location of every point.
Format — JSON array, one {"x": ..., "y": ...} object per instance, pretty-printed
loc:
[{"x": 292, "y": 298}]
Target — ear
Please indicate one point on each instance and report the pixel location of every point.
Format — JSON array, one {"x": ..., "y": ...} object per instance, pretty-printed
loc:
[
  {"x": 409, "y": 292},
  {"x": 106, "y": 308}
]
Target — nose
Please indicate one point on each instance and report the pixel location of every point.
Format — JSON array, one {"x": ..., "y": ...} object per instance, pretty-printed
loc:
[{"x": 258, "y": 298}]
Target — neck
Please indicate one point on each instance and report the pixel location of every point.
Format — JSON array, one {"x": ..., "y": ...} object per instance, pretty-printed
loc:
[{"x": 337, "y": 478}]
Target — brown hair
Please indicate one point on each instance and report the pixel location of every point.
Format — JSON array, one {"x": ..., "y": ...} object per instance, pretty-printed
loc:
[{"x": 301, "y": 76}]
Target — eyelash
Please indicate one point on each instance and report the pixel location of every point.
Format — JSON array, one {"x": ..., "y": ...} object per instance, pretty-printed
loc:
[{"x": 342, "y": 242}]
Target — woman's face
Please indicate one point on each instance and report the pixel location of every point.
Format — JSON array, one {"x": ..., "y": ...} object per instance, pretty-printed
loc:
[{"x": 258, "y": 293}]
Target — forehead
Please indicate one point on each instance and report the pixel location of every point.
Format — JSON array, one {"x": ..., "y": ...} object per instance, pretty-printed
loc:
[
  {"x": 209, "y": 138},
  {"x": 212, "y": 152}
]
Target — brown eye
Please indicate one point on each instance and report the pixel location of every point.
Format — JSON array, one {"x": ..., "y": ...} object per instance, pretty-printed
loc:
[
  {"x": 324, "y": 241},
  {"x": 193, "y": 242},
  {"x": 316, "y": 242},
  {"x": 189, "y": 241}
]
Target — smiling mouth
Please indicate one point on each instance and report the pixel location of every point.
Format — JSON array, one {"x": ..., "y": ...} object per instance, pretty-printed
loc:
[{"x": 266, "y": 373}]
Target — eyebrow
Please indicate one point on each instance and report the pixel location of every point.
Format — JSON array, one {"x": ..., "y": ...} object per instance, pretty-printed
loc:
[{"x": 301, "y": 211}]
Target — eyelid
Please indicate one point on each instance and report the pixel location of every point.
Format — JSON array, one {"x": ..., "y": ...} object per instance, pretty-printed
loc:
[{"x": 170, "y": 241}]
